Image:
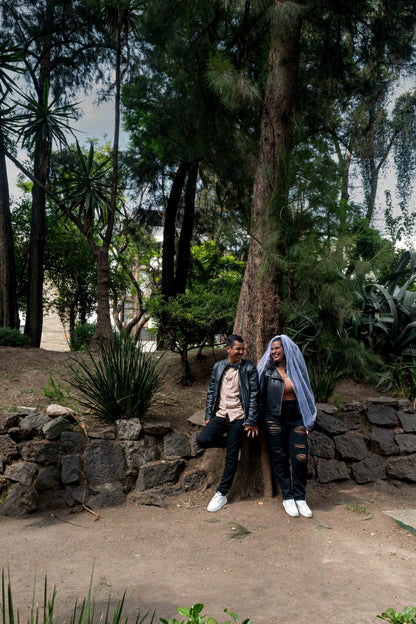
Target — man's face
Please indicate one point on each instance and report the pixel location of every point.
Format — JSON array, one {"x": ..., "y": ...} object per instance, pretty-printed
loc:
[{"x": 235, "y": 353}]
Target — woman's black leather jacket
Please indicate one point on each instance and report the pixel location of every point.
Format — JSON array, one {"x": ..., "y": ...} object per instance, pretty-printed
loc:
[
  {"x": 271, "y": 393},
  {"x": 248, "y": 386}
]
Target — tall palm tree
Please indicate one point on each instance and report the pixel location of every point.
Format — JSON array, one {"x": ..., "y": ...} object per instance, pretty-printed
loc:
[{"x": 121, "y": 18}]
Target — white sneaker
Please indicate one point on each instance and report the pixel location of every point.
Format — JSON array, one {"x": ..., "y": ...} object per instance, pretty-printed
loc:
[
  {"x": 290, "y": 507},
  {"x": 217, "y": 502},
  {"x": 303, "y": 508}
]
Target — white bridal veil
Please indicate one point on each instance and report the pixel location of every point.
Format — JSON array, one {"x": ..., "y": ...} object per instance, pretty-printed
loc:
[{"x": 298, "y": 374}]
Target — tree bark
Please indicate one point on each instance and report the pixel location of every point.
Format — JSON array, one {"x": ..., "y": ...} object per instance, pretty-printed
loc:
[
  {"x": 9, "y": 316},
  {"x": 257, "y": 318},
  {"x": 169, "y": 232},
  {"x": 103, "y": 328}
]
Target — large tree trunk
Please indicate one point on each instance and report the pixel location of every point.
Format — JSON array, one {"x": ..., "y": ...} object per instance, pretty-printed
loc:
[
  {"x": 169, "y": 232},
  {"x": 184, "y": 246},
  {"x": 257, "y": 318},
  {"x": 9, "y": 316}
]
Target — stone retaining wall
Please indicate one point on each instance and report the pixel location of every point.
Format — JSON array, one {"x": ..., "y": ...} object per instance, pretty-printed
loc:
[
  {"x": 47, "y": 460},
  {"x": 364, "y": 442}
]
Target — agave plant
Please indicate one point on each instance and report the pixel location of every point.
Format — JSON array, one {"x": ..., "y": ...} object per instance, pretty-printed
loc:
[
  {"x": 118, "y": 382},
  {"x": 388, "y": 317},
  {"x": 331, "y": 353}
]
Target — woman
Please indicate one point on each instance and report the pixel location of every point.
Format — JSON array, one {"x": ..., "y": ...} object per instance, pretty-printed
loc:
[{"x": 288, "y": 412}]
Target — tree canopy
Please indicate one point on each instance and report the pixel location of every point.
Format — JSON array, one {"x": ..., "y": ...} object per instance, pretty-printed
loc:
[{"x": 249, "y": 125}]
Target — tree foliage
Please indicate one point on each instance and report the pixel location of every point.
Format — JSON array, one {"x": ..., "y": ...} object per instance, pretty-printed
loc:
[{"x": 206, "y": 310}]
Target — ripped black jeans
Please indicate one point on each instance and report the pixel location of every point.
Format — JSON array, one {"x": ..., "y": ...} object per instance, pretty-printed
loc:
[{"x": 289, "y": 451}]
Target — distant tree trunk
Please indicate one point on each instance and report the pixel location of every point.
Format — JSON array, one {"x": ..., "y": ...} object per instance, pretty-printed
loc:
[
  {"x": 72, "y": 319},
  {"x": 9, "y": 316},
  {"x": 370, "y": 165},
  {"x": 34, "y": 313},
  {"x": 370, "y": 198},
  {"x": 373, "y": 161},
  {"x": 169, "y": 232},
  {"x": 184, "y": 245},
  {"x": 257, "y": 318},
  {"x": 41, "y": 165},
  {"x": 103, "y": 328}
]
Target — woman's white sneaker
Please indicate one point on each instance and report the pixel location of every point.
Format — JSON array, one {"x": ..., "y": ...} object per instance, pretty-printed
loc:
[
  {"x": 290, "y": 507},
  {"x": 217, "y": 502},
  {"x": 304, "y": 509}
]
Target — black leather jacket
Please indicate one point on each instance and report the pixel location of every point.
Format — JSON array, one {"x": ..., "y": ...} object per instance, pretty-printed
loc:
[
  {"x": 248, "y": 386},
  {"x": 271, "y": 393}
]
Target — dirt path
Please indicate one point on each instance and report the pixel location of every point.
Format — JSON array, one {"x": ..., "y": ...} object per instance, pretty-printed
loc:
[{"x": 341, "y": 566}]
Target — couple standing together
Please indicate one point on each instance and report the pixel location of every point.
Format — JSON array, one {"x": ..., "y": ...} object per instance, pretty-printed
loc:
[{"x": 279, "y": 395}]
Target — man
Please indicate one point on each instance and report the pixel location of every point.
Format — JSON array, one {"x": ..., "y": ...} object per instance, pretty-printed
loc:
[{"x": 231, "y": 408}]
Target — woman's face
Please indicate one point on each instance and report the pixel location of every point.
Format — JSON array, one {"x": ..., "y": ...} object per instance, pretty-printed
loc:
[{"x": 277, "y": 352}]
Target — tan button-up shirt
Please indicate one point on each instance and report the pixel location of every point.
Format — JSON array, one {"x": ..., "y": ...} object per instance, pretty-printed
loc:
[{"x": 229, "y": 403}]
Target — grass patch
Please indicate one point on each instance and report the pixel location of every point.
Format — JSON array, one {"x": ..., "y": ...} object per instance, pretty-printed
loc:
[
  {"x": 356, "y": 508},
  {"x": 339, "y": 401},
  {"x": 84, "y": 613}
]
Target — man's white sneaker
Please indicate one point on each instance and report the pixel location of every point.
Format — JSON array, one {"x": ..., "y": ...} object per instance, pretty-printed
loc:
[
  {"x": 217, "y": 502},
  {"x": 304, "y": 509},
  {"x": 290, "y": 507}
]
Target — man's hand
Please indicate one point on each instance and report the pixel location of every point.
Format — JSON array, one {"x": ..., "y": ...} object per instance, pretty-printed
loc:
[{"x": 251, "y": 431}]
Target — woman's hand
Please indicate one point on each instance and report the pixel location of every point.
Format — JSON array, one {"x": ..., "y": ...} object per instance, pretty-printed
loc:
[{"x": 251, "y": 431}]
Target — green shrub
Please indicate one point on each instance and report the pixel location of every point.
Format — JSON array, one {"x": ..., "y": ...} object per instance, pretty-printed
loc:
[
  {"x": 13, "y": 338},
  {"x": 194, "y": 617},
  {"x": 407, "y": 615},
  {"x": 81, "y": 336},
  {"x": 119, "y": 382}
]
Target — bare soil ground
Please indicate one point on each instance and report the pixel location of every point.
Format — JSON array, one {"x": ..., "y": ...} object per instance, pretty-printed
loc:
[{"x": 347, "y": 564}]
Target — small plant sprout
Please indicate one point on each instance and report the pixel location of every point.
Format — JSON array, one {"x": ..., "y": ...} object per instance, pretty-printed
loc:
[
  {"x": 56, "y": 392},
  {"x": 238, "y": 531}
]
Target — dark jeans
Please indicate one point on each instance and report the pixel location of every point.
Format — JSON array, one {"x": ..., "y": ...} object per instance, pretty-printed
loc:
[
  {"x": 212, "y": 436},
  {"x": 289, "y": 451}
]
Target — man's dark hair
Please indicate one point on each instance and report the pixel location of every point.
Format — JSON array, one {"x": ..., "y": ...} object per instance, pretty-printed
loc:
[{"x": 232, "y": 339}]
